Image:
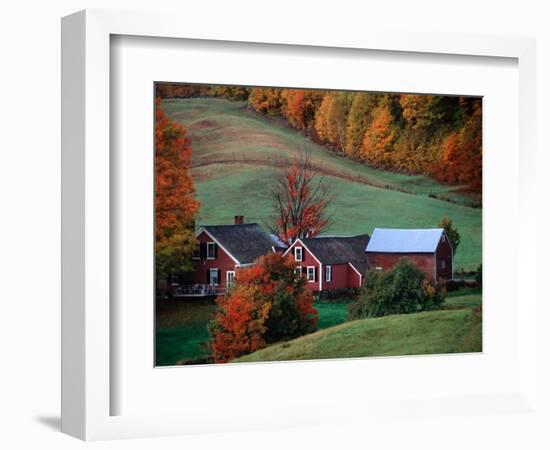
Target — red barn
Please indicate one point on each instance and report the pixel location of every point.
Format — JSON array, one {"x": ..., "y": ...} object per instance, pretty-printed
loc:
[
  {"x": 222, "y": 251},
  {"x": 331, "y": 262},
  {"x": 429, "y": 249}
]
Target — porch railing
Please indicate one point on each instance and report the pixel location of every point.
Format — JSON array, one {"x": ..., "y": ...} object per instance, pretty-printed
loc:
[{"x": 195, "y": 290}]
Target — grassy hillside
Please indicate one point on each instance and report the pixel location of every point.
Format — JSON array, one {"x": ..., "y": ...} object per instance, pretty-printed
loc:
[
  {"x": 236, "y": 154},
  {"x": 182, "y": 328},
  {"x": 451, "y": 331}
]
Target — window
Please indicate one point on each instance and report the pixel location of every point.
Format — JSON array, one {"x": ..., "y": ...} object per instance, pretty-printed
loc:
[
  {"x": 230, "y": 277},
  {"x": 442, "y": 263},
  {"x": 214, "y": 276},
  {"x": 210, "y": 250},
  {"x": 378, "y": 269},
  {"x": 298, "y": 271},
  {"x": 298, "y": 253},
  {"x": 311, "y": 274},
  {"x": 443, "y": 238},
  {"x": 196, "y": 253},
  {"x": 328, "y": 274}
]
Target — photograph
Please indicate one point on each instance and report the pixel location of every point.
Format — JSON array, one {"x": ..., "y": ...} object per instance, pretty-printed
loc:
[{"x": 298, "y": 224}]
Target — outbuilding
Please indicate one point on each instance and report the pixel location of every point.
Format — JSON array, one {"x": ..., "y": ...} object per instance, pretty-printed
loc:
[{"x": 429, "y": 249}]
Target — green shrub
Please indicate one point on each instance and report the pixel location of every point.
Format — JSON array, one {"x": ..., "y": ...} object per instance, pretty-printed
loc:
[{"x": 402, "y": 290}]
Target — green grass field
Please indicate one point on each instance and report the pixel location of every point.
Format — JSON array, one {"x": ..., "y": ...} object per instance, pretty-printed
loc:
[
  {"x": 182, "y": 328},
  {"x": 447, "y": 331},
  {"x": 237, "y": 153}
]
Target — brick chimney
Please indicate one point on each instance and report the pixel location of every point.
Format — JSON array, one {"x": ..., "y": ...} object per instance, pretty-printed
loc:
[{"x": 239, "y": 220}]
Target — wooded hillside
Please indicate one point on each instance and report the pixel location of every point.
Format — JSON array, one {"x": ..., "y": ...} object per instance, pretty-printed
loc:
[{"x": 436, "y": 135}]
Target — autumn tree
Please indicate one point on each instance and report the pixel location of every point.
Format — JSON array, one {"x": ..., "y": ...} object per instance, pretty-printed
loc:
[
  {"x": 425, "y": 111},
  {"x": 362, "y": 105},
  {"x": 471, "y": 157},
  {"x": 461, "y": 160},
  {"x": 268, "y": 303},
  {"x": 266, "y": 100},
  {"x": 294, "y": 109},
  {"x": 379, "y": 138},
  {"x": 237, "y": 93},
  {"x": 299, "y": 106},
  {"x": 451, "y": 232},
  {"x": 322, "y": 115},
  {"x": 175, "y": 202},
  {"x": 239, "y": 324},
  {"x": 300, "y": 200},
  {"x": 450, "y": 168},
  {"x": 331, "y": 119},
  {"x": 337, "y": 121}
]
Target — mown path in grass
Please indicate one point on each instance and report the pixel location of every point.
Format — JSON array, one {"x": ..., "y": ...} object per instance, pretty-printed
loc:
[
  {"x": 223, "y": 131},
  {"x": 227, "y": 131}
]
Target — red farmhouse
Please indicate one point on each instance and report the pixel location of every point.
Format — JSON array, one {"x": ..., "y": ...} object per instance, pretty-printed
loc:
[
  {"x": 331, "y": 262},
  {"x": 429, "y": 249},
  {"x": 222, "y": 250}
]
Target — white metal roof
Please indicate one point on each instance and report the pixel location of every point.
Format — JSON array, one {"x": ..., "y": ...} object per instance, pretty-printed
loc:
[{"x": 391, "y": 240}]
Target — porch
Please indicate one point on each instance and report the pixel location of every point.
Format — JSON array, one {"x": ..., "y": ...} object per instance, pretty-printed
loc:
[{"x": 196, "y": 290}]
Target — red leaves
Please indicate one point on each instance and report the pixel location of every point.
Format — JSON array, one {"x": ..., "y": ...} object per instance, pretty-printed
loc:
[
  {"x": 300, "y": 200},
  {"x": 462, "y": 155},
  {"x": 241, "y": 322}
]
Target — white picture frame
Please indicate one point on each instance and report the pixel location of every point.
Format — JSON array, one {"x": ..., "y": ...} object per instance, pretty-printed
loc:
[{"x": 87, "y": 386}]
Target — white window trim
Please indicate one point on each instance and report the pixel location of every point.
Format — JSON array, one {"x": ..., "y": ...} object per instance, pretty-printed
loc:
[
  {"x": 307, "y": 274},
  {"x": 208, "y": 246},
  {"x": 301, "y": 253},
  {"x": 217, "y": 276},
  {"x": 227, "y": 277},
  {"x": 298, "y": 270},
  {"x": 328, "y": 274}
]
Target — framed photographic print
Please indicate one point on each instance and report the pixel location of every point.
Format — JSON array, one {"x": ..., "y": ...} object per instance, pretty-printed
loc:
[{"x": 271, "y": 229}]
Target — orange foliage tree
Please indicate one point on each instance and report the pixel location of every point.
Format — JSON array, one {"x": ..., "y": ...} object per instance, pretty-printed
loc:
[
  {"x": 359, "y": 118},
  {"x": 300, "y": 200},
  {"x": 379, "y": 138},
  {"x": 322, "y": 115},
  {"x": 268, "y": 303},
  {"x": 295, "y": 105},
  {"x": 175, "y": 202},
  {"x": 462, "y": 154},
  {"x": 266, "y": 100}
]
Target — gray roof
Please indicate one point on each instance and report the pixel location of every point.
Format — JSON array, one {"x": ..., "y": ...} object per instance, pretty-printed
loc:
[
  {"x": 340, "y": 250},
  {"x": 388, "y": 240},
  {"x": 245, "y": 242}
]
